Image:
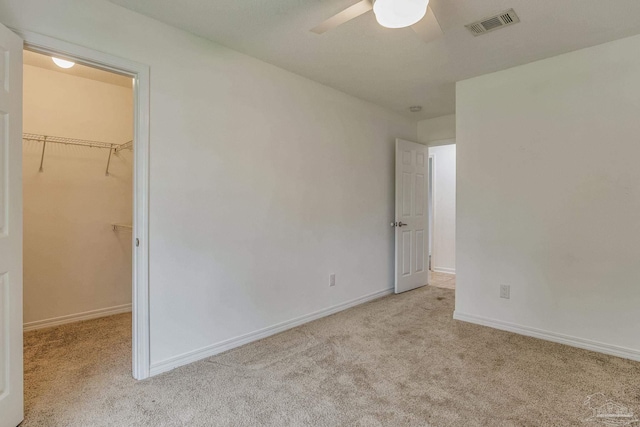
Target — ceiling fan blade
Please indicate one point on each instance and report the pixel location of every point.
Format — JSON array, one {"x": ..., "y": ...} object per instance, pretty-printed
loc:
[
  {"x": 428, "y": 28},
  {"x": 346, "y": 15}
]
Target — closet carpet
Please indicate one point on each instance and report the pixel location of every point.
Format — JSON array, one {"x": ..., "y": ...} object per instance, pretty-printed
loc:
[{"x": 397, "y": 361}]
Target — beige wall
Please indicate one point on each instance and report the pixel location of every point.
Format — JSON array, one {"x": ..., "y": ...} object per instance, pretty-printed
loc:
[
  {"x": 73, "y": 261},
  {"x": 548, "y": 198}
]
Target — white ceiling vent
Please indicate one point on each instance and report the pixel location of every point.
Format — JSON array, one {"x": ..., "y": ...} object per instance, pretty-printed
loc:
[{"x": 501, "y": 20}]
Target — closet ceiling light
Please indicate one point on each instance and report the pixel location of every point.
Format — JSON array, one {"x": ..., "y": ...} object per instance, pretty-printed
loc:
[{"x": 63, "y": 63}]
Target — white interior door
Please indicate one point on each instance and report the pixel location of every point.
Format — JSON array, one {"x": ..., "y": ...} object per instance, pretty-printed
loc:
[
  {"x": 11, "y": 374},
  {"x": 412, "y": 219}
]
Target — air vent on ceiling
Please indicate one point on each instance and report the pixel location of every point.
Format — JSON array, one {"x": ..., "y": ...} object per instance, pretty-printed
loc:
[{"x": 491, "y": 23}]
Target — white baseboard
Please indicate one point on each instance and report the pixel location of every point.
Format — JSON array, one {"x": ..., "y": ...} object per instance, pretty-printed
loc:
[
  {"x": 70, "y": 318},
  {"x": 444, "y": 270},
  {"x": 599, "y": 347},
  {"x": 212, "y": 350}
]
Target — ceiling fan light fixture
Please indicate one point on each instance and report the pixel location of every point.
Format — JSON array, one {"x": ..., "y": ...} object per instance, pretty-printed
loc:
[{"x": 399, "y": 13}]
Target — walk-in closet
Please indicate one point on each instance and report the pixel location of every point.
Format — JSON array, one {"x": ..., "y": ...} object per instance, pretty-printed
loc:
[{"x": 77, "y": 195}]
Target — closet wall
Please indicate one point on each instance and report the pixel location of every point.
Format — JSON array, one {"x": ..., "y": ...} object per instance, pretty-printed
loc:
[{"x": 75, "y": 265}]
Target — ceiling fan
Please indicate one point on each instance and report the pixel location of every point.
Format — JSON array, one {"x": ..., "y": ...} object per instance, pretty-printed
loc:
[{"x": 391, "y": 14}]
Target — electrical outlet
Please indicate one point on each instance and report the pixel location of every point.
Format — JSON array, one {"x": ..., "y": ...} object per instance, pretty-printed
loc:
[
  {"x": 505, "y": 291},
  {"x": 332, "y": 280}
]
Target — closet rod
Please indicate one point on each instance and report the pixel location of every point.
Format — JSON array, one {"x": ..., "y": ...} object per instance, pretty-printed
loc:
[{"x": 113, "y": 148}]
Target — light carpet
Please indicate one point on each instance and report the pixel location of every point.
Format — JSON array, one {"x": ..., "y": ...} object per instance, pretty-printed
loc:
[{"x": 397, "y": 361}]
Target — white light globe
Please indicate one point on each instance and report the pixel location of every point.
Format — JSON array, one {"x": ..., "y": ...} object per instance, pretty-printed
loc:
[
  {"x": 399, "y": 13},
  {"x": 63, "y": 63}
]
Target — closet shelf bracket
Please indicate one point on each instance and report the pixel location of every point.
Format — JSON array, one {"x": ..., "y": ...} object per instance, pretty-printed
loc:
[
  {"x": 116, "y": 149},
  {"x": 44, "y": 146},
  {"x": 125, "y": 146},
  {"x": 122, "y": 227},
  {"x": 106, "y": 173}
]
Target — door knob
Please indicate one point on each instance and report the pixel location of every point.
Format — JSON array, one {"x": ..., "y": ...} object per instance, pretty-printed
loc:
[{"x": 398, "y": 224}]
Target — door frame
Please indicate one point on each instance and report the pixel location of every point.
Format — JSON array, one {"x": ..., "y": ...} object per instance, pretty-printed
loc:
[
  {"x": 140, "y": 242},
  {"x": 434, "y": 203},
  {"x": 431, "y": 202}
]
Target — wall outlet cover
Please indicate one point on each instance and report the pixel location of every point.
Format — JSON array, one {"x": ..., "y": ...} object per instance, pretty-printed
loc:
[{"x": 505, "y": 291}]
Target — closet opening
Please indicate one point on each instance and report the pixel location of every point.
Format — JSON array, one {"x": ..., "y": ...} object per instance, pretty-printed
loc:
[
  {"x": 442, "y": 214},
  {"x": 78, "y": 174}
]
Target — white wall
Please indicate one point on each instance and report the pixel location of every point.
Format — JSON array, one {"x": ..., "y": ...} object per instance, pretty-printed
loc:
[
  {"x": 262, "y": 182},
  {"x": 73, "y": 261},
  {"x": 443, "y": 258},
  {"x": 437, "y": 131},
  {"x": 549, "y": 198}
]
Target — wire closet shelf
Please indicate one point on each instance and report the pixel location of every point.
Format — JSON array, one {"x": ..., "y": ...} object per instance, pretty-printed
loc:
[{"x": 113, "y": 148}]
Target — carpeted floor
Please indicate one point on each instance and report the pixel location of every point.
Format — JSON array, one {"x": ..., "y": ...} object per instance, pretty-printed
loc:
[
  {"x": 442, "y": 280},
  {"x": 397, "y": 361}
]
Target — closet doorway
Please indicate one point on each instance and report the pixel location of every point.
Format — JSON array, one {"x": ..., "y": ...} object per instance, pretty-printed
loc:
[
  {"x": 442, "y": 213},
  {"x": 103, "y": 160},
  {"x": 78, "y": 125}
]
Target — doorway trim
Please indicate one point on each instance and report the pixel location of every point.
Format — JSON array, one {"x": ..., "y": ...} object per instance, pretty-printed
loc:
[
  {"x": 431, "y": 200},
  {"x": 140, "y": 348}
]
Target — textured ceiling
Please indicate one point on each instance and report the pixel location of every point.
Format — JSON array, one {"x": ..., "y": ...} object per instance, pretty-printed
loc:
[{"x": 393, "y": 68}]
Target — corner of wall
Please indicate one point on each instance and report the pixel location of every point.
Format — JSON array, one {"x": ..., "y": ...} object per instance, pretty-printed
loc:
[{"x": 430, "y": 131}]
